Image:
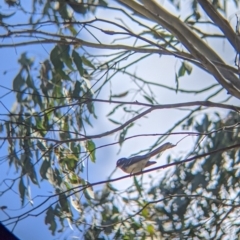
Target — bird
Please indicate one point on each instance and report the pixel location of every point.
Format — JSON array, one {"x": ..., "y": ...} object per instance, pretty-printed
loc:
[{"x": 138, "y": 163}]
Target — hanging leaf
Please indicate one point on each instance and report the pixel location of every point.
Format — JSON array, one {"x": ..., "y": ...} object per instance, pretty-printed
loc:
[
  {"x": 115, "y": 122},
  {"x": 22, "y": 190},
  {"x": 78, "y": 62},
  {"x": 114, "y": 109},
  {"x": 148, "y": 99},
  {"x": 150, "y": 230},
  {"x": 44, "y": 169},
  {"x": 88, "y": 192},
  {"x": 50, "y": 219},
  {"x": 177, "y": 83},
  {"x": 18, "y": 82},
  {"x": 90, "y": 145},
  {"x": 188, "y": 67},
  {"x": 55, "y": 59},
  {"x": 65, "y": 56},
  {"x": 137, "y": 185},
  {"x": 182, "y": 70},
  {"x": 120, "y": 95},
  {"x": 76, "y": 90},
  {"x": 124, "y": 133},
  {"x": 87, "y": 62}
]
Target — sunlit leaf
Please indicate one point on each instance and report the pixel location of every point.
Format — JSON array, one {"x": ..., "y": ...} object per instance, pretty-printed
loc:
[
  {"x": 188, "y": 67},
  {"x": 89, "y": 193},
  {"x": 90, "y": 145},
  {"x": 181, "y": 71},
  {"x": 150, "y": 229},
  {"x": 145, "y": 213}
]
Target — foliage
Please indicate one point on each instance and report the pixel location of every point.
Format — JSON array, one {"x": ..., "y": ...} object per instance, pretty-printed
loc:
[{"x": 58, "y": 100}]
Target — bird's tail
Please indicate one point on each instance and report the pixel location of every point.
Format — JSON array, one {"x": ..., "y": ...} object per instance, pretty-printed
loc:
[
  {"x": 149, "y": 163},
  {"x": 162, "y": 148}
]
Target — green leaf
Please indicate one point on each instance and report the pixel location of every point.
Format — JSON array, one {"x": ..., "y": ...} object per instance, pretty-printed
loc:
[
  {"x": 188, "y": 67},
  {"x": 145, "y": 213},
  {"x": 88, "y": 192},
  {"x": 29, "y": 82},
  {"x": 120, "y": 95},
  {"x": 137, "y": 185},
  {"x": 70, "y": 163},
  {"x": 114, "y": 109},
  {"x": 37, "y": 98},
  {"x": 62, "y": 74},
  {"x": 50, "y": 219},
  {"x": 25, "y": 61},
  {"x": 103, "y": 3},
  {"x": 150, "y": 229},
  {"x": 78, "y": 8},
  {"x": 87, "y": 120},
  {"x": 182, "y": 70},
  {"x": 76, "y": 90},
  {"x": 78, "y": 62},
  {"x": 33, "y": 176},
  {"x": 41, "y": 146},
  {"x": 90, "y": 145},
  {"x": 63, "y": 202},
  {"x": 22, "y": 190},
  {"x": 44, "y": 169},
  {"x": 41, "y": 129},
  {"x": 148, "y": 99},
  {"x": 110, "y": 186},
  {"x": 90, "y": 107},
  {"x": 177, "y": 83},
  {"x": 72, "y": 30},
  {"x": 18, "y": 82},
  {"x": 115, "y": 122},
  {"x": 124, "y": 133},
  {"x": 75, "y": 179},
  {"x": 6, "y": 16},
  {"x": 87, "y": 62},
  {"x": 55, "y": 58},
  {"x": 65, "y": 14},
  {"x": 51, "y": 176},
  {"x": 65, "y": 57}
]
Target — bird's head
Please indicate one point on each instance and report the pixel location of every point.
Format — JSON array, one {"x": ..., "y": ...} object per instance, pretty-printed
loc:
[{"x": 121, "y": 162}]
